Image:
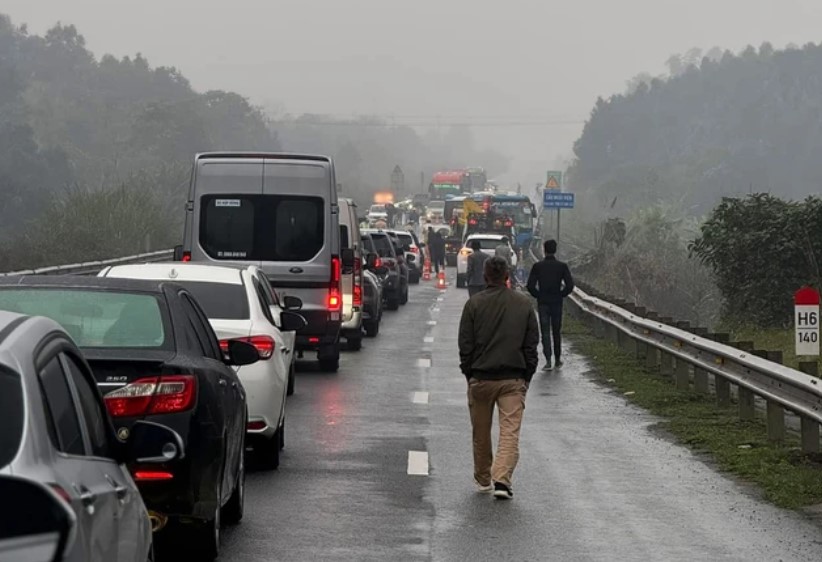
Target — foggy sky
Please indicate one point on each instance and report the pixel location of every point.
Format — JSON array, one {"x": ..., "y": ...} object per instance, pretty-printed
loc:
[{"x": 428, "y": 61}]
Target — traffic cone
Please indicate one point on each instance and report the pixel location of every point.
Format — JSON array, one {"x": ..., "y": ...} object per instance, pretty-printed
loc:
[
  {"x": 426, "y": 269},
  {"x": 441, "y": 280}
]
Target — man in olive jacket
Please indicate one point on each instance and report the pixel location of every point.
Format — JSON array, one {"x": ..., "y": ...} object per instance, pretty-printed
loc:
[{"x": 498, "y": 341}]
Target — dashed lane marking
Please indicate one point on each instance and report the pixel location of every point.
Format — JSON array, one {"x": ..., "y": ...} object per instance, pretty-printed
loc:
[
  {"x": 435, "y": 309},
  {"x": 440, "y": 299},
  {"x": 418, "y": 463},
  {"x": 432, "y": 322},
  {"x": 424, "y": 362},
  {"x": 420, "y": 398},
  {"x": 428, "y": 339}
]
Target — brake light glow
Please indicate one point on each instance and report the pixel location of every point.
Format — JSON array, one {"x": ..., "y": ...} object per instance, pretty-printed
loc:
[
  {"x": 334, "y": 300},
  {"x": 378, "y": 262},
  {"x": 152, "y": 475},
  {"x": 357, "y": 281},
  {"x": 415, "y": 250},
  {"x": 313, "y": 340},
  {"x": 186, "y": 256},
  {"x": 256, "y": 425},
  {"x": 357, "y": 295},
  {"x": 152, "y": 395},
  {"x": 472, "y": 222},
  {"x": 264, "y": 344}
]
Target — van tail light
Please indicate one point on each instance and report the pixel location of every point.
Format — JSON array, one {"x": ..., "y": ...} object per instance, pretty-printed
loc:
[
  {"x": 152, "y": 395},
  {"x": 264, "y": 344},
  {"x": 186, "y": 256},
  {"x": 357, "y": 281},
  {"x": 334, "y": 293}
]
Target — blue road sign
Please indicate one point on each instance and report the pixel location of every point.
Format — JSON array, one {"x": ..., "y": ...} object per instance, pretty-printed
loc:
[{"x": 553, "y": 199}]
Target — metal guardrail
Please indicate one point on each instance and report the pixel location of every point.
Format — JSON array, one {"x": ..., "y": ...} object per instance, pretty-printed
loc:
[
  {"x": 92, "y": 267},
  {"x": 690, "y": 358}
]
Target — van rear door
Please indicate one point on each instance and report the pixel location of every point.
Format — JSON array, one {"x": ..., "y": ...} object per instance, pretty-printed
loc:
[{"x": 229, "y": 214}]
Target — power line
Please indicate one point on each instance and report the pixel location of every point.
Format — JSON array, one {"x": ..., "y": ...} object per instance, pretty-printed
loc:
[{"x": 433, "y": 123}]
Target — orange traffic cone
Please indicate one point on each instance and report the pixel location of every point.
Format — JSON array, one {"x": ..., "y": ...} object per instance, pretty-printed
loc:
[
  {"x": 441, "y": 280},
  {"x": 426, "y": 269}
]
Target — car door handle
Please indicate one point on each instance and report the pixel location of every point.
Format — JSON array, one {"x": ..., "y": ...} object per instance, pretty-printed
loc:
[
  {"x": 87, "y": 497},
  {"x": 285, "y": 349},
  {"x": 120, "y": 491}
]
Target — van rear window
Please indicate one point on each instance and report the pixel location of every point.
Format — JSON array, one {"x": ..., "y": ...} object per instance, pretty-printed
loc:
[
  {"x": 262, "y": 227},
  {"x": 12, "y": 415}
]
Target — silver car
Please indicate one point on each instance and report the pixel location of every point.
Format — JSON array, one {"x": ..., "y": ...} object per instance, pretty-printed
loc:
[{"x": 55, "y": 430}]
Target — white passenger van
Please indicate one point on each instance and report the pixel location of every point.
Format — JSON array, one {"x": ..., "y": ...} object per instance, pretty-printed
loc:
[{"x": 280, "y": 213}]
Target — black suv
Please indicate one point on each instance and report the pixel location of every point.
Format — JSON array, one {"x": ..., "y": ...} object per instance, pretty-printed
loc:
[{"x": 395, "y": 278}]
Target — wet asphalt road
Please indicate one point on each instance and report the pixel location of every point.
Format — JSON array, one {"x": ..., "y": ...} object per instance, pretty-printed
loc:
[{"x": 594, "y": 481}]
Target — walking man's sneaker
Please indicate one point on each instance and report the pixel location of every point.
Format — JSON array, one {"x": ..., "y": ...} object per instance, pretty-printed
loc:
[
  {"x": 484, "y": 488},
  {"x": 502, "y": 492},
  {"x": 548, "y": 367},
  {"x": 558, "y": 364}
]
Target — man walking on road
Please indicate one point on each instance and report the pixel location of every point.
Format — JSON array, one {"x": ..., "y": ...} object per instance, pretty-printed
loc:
[
  {"x": 475, "y": 276},
  {"x": 549, "y": 282},
  {"x": 498, "y": 339}
]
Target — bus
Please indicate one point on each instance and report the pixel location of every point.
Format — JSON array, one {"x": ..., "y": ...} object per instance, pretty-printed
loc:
[{"x": 517, "y": 207}]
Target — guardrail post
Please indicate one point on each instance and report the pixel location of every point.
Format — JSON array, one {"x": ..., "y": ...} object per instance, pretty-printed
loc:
[
  {"x": 666, "y": 363},
  {"x": 809, "y": 428},
  {"x": 747, "y": 404},
  {"x": 701, "y": 385},
  {"x": 683, "y": 374},
  {"x": 651, "y": 357},
  {"x": 722, "y": 386},
  {"x": 776, "y": 414}
]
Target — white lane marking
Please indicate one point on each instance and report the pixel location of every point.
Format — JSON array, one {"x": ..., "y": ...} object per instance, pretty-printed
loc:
[
  {"x": 432, "y": 322},
  {"x": 428, "y": 339},
  {"x": 435, "y": 309},
  {"x": 418, "y": 463},
  {"x": 440, "y": 299},
  {"x": 420, "y": 398},
  {"x": 423, "y": 362}
]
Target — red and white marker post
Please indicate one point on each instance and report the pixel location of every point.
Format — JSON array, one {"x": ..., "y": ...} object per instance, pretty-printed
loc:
[{"x": 806, "y": 321}]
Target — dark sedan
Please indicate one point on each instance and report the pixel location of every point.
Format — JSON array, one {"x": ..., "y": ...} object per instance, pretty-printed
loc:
[{"x": 155, "y": 357}]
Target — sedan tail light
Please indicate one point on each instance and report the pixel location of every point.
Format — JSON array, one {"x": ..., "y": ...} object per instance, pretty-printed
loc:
[
  {"x": 265, "y": 345},
  {"x": 152, "y": 395},
  {"x": 152, "y": 475}
]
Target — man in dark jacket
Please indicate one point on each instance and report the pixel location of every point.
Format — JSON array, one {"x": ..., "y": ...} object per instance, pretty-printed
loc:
[
  {"x": 549, "y": 282},
  {"x": 475, "y": 276},
  {"x": 498, "y": 339},
  {"x": 437, "y": 244}
]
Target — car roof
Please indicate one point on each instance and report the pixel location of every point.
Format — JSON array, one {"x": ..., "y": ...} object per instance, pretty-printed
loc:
[
  {"x": 82, "y": 282},
  {"x": 486, "y": 236},
  {"x": 178, "y": 271}
]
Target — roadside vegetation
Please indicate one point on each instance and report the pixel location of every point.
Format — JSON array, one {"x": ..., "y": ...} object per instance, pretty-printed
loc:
[{"x": 785, "y": 475}]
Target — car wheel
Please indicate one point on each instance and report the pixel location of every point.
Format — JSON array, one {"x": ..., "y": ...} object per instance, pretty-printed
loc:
[
  {"x": 268, "y": 452},
  {"x": 355, "y": 343},
  {"x": 460, "y": 280},
  {"x": 281, "y": 434},
  {"x": 404, "y": 298},
  {"x": 234, "y": 508},
  {"x": 292, "y": 380},
  {"x": 205, "y": 538},
  {"x": 372, "y": 328},
  {"x": 392, "y": 302}
]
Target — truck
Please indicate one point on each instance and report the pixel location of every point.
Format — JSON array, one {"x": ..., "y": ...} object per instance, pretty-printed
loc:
[{"x": 451, "y": 182}]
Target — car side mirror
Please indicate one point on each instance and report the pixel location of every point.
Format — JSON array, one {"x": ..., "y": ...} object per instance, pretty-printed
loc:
[
  {"x": 292, "y": 303},
  {"x": 292, "y": 322},
  {"x": 35, "y": 524},
  {"x": 241, "y": 353},
  {"x": 178, "y": 252},
  {"x": 421, "y": 245},
  {"x": 348, "y": 257},
  {"x": 153, "y": 443}
]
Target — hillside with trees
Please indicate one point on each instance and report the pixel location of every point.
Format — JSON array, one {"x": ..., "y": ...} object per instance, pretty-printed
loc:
[{"x": 718, "y": 125}]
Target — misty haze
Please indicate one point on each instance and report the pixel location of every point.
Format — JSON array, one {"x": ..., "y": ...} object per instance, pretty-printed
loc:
[{"x": 352, "y": 160}]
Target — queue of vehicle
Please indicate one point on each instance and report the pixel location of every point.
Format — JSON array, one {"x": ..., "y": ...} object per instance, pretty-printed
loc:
[{"x": 130, "y": 399}]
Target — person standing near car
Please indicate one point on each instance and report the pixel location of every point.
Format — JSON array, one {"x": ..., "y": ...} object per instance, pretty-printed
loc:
[
  {"x": 437, "y": 244},
  {"x": 550, "y": 282},
  {"x": 498, "y": 339},
  {"x": 475, "y": 276}
]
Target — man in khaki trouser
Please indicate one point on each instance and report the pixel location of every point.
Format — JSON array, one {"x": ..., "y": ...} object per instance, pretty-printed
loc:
[{"x": 498, "y": 340}]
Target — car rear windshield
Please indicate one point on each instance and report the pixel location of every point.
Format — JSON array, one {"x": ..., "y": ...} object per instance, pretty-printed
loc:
[
  {"x": 262, "y": 227},
  {"x": 485, "y": 243},
  {"x": 95, "y": 318},
  {"x": 11, "y": 415},
  {"x": 220, "y": 300},
  {"x": 382, "y": 245},
  {"x": 406, "y": 239}
]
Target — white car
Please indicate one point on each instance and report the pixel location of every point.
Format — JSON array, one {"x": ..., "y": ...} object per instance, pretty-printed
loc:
[
  {"x": 488, "y": 245},
  {"x": 376, "y": 213},
  {"x": 240, "y": 304}
]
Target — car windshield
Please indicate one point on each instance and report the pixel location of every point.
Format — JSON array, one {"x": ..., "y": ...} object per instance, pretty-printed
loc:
[
  {"x": 96, "y": 318},
  {"x": 222, "y": 301},
  {"x": 12, "y": 415},
  {"x": 485, "y": 243},
  {"x": 382, "y": 245},
  {"x": 377, "y": 208}
]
